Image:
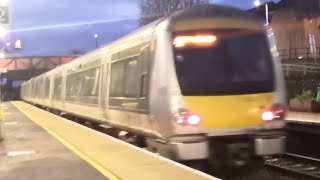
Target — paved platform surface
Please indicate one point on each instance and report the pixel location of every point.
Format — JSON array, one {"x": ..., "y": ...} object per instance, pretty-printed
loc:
[
  {"x": 111, "y": 157},
  {"x": 303, "y": 117},
  {"x": 29, "y": 152}
]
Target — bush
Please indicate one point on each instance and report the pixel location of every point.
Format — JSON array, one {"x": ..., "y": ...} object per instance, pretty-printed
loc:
[{"x": 306, "y": 95}]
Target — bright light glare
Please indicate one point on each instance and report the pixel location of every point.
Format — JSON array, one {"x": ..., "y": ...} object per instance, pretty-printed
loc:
[
  {"x": 181, "y": 41},
  {"x": 193, "y": 119},
  {"x": 96, "y": 35},
  {"x": 257, "y": 3},
  {"x": 3, "y": 32},
  {"x": 4, "y": 2},
  {"x": 8, "y": 44},
  {"x": 1, "y": 55},
  {"x": 267, "y": 116}
]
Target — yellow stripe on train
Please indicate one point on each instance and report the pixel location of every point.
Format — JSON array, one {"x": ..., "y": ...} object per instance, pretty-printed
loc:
[{"x": 232, "y": 111}]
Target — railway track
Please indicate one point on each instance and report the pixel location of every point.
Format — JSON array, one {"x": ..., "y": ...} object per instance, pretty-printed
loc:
[{"x": 296, "y": 164}]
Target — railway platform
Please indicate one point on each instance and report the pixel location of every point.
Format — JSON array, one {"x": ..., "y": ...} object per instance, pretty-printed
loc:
[
  {"x": 39, "y": 145},
  {"x": 303, "y": 117}
]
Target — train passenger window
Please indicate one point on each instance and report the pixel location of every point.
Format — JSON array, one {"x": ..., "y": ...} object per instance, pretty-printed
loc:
[
  {"x": 83, "y": 86},
  {"x": 57, "y": 88},
  {"x": 36, "y": 90},
  {"x": 117, "y": 77},
  {"x": 132, "y": 79},
  {"x": 73, "y": 86},
  {"x": 125, "y": 78},
  {"x": 90, "y": 82},
  {"x": 47, "y": 87},
  {"x": 129, "y": 79}
]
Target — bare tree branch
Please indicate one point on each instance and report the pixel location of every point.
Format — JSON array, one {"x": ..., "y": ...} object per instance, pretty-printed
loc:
[{"x": 151, "y": 10}]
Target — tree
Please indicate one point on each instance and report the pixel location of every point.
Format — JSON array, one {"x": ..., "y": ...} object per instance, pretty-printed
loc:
[
  {"x": 151, "y": 10},
  {"x": 77, "y": 52}
]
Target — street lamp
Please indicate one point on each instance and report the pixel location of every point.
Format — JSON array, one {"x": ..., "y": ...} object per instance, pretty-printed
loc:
[
  {"x": 96, "y": 37},
  {"x": 257, "y": 3}
]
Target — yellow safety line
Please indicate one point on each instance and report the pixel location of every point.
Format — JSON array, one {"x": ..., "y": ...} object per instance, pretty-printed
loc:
[
  {"x": 92, "y": 162},
  {"x": 2, "y": 115}
]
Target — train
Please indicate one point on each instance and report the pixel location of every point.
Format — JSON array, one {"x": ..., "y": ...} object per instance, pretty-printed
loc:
[{"x": 203, "y": 84}]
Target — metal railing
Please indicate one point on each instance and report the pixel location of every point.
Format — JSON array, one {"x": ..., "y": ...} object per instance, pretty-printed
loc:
[
  {"x": 302, "y": 68},
  {"x": 299, "y": 53}
]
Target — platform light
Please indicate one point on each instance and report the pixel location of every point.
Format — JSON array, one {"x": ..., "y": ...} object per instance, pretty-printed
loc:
[
  {"x": 3, "y": 32},
  {"x": 18, "y": 44},
  {"x": 181, "y": 41},
  {"x": 4, "y": 2},
  {"x": 256, "y": 3},
  {"x": 96, "y": 35}
]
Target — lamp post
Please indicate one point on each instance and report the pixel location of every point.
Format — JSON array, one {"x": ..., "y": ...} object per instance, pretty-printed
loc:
[
  {"x": 257, "y": 3},
  {"x": 96, "y": 36}
]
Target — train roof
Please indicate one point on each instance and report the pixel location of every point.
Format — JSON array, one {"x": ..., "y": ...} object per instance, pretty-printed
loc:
[{"x": 217, "y": 11}]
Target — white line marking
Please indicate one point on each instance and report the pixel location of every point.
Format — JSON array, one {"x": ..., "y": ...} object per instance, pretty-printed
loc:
[
  {"x": 5, "y": 108},
  {"x": 10, "y": 123},
  {"x": 7, "y": 113},
  {"x": 20, "y": 153}
]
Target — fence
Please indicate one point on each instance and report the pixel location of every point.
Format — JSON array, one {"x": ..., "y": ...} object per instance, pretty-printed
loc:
[
  {"x": 299, "y": 77},
  {"x": 299, "y": 53}
]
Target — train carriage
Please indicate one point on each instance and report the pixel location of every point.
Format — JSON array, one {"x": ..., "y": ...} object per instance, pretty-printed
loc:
[{"x": 200, "y": 84}]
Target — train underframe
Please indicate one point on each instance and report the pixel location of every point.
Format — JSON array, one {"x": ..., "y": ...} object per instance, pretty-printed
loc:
[{"x": 201, "y": 151}]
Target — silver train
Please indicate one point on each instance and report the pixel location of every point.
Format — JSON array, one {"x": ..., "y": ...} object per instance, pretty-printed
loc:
[{"x": 204, "y": 83}]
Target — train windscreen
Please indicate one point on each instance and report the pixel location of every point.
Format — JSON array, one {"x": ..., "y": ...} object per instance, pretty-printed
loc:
[{"x": 223, "y": 62}]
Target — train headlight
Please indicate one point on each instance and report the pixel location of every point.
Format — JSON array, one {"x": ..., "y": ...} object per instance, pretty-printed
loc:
[
  {"x": 267, "y": 116},
  {"x": 193, "y": 119},
  {"x": 277, "y": 112},
  {"x": 188, "y": 118}
]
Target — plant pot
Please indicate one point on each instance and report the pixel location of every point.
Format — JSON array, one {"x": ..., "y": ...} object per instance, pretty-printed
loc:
[
  {"x": 315, "y": 107},
  {"x": 300, "y": 105}
]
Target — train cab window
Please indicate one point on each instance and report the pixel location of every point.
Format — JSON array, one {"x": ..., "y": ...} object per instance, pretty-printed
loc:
[
  {"x": 57, "y": 88},
  {"x": 238, "y": 62}
]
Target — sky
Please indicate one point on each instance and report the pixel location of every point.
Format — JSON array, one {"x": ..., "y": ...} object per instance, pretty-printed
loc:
[{"x": 55, "y": 27}]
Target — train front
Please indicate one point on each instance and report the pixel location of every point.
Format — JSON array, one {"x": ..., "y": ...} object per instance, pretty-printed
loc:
[{"x": 231, "y": 86}]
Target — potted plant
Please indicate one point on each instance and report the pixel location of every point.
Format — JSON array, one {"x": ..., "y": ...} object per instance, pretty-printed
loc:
[{"x": 305, "y": 102}]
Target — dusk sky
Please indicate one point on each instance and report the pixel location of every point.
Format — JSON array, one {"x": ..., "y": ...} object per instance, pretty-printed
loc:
[{"x": 55, "y": 27}]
